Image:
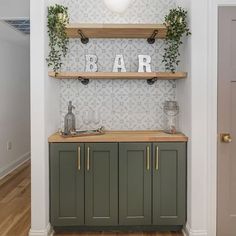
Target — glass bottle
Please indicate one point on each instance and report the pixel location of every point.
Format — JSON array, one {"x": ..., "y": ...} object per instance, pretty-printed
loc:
[
  {"x": 69, "y": 120},
  {"x": 171, "y": 110}
]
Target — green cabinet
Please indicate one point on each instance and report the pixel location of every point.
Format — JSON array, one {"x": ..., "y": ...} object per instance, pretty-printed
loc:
[
  {"x": 84, "y": 184},
  {"x": 169, "y": 183},
  {"x": 67, "y": 184},
  {"x": 135, "y": 205},
  {"x": 118, "y": 185},
  {"x": 101, "y": 184}
]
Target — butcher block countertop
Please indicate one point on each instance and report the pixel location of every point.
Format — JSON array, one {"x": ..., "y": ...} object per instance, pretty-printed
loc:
[{"x": 122, "y": 136}]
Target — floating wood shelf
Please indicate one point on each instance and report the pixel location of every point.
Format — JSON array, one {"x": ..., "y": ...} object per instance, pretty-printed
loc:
[
  {"x": 119, "y": 75},
  {"x": 150, "y": 76},
  {"x": 86, "y": 31}
]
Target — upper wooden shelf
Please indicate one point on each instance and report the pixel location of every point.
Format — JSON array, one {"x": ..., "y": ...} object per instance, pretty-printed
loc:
[
  {"x": 147, "y": 31},
  {"x": 150, "y": 76}
]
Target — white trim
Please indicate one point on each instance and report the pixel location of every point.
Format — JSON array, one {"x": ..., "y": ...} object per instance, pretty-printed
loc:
[
  {"x": 187, "y": 231},
  {"x": 4, "y": 171},
  {"x": 44, "y": 232},
  {"x": 212, "y": 118}
]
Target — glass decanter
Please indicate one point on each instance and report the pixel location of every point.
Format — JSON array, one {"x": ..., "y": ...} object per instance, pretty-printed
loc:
[{"x": 69, "y": 120}]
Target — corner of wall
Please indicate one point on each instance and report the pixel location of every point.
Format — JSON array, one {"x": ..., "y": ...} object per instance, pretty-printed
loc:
[
  {"x": 187, "y": 231},
  {"x": 46, "y": 232},
  {"x": 14, "y": 165}
]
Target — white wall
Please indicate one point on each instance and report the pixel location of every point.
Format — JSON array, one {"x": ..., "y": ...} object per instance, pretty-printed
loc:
[
  {"x": 44, "y": 119},
  {"x": 14, "y": 103},
  {"x": 14, "y": 9},
  {"x": 193, "y": 95}
]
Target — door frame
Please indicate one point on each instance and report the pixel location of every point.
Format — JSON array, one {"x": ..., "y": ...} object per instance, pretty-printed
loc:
[{"x": 212, "y": 85}]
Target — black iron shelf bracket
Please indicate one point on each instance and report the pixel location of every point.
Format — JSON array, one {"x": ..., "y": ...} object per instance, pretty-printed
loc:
[
  {"x": 84, "y": 39},
  {"x": 152, "y": 39},
  {"x": 86, "y": 81},
  {"x": 152, "y": 81},
  {"x": 83, "y": 81}
]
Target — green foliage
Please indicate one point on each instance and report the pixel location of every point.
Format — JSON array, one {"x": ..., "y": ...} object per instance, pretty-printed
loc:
[
  {"x": 58, "y": 40},
  {"x": 177, "y": 27}
]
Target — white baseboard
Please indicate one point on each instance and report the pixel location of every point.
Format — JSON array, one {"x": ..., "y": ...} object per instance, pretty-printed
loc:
[
  {"x": 4, "y": 171},
  {"x": 45, "y": 232},
  {"x": 187, "y": 231}
]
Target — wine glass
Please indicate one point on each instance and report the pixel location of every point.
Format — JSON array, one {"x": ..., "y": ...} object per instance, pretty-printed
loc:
[
  {"x": 87, "y": 116},
  {"x": 96, "y": 117}
]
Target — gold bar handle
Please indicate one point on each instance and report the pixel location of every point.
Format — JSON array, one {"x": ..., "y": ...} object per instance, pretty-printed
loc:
[
  {"x": 157, "y": 158},
  {"x": 79, "y": 158},
  {"x": 148, "y": 158},
  {"x": 88, "y": 159}
]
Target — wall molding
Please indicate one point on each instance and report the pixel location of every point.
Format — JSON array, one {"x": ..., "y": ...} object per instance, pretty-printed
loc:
[
  {"x": 187, "y": 231},
  {"x": 44, "y": 232},
  {"x": 4, "y": 171}
]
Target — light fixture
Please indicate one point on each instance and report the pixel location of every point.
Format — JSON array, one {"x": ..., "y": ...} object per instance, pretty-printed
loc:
[{"x": 118, "y": 6}]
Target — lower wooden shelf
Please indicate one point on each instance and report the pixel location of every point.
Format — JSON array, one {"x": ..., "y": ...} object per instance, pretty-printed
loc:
[{"x": 119, "y": 75}]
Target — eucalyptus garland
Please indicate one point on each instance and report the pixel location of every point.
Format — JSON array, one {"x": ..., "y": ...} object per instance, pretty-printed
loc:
[
  {"x": 58, "y": 40},
  {"x": 177, "y": 27}
]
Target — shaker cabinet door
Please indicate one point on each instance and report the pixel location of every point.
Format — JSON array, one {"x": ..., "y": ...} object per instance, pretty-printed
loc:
[
  {"x": 135, "y": 184},
  {"x": 101, "y": 184},
  {"x": 67, "y": 184},
  {"x": 169, "y": 183}
]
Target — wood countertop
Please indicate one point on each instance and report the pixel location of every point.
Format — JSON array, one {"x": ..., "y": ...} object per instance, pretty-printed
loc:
[{"x": 122, "y": 136}]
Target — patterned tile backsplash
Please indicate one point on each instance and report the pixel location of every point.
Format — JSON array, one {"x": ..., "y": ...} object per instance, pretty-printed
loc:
[{"x": 118, "y": 104}]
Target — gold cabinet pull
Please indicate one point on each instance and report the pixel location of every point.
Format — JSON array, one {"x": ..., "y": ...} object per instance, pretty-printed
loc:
[
  {"x": 148, "y": 158},
  {"x": 157, "y": 158},
  {"x": 88, "y": 159},
  {"x": 79, "y": 158}
]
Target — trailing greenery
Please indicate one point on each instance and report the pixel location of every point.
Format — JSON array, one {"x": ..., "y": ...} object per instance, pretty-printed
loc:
[
  {"x": 58, "y": 40},
  {"x": 177, "y": 27}
]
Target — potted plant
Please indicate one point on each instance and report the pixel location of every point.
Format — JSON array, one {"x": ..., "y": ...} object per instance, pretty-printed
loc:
[
  {"x": 58, "y": 40},
  {"x": 177, "y": 27}
]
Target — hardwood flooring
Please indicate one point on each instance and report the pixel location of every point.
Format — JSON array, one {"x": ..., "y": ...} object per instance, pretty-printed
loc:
[
  {"x": 15, "y": 202},
  {"x": 15, "y": 208}
]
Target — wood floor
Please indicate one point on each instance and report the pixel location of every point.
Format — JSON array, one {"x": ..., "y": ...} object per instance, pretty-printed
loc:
[
  {"x": 15, "y": 202},
  {"x": 15, "y": 208}
]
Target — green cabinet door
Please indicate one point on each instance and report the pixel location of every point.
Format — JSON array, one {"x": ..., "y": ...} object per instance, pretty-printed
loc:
[
  {"x": 101, "y": 184},
  {"x": 169, "y": 183},
  {"x": 135, "y": 184},
  {"x": 67, "y": 184}
]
